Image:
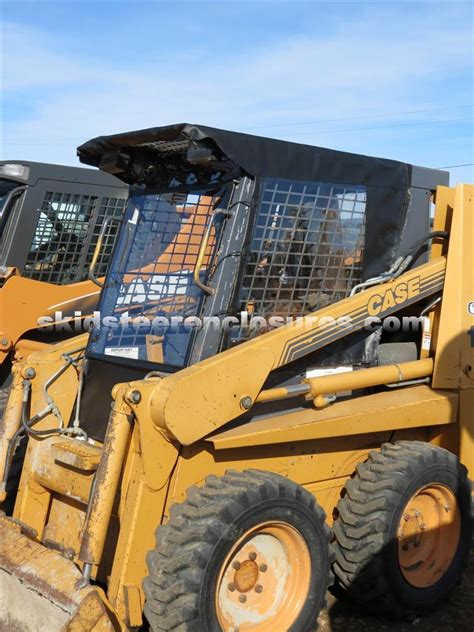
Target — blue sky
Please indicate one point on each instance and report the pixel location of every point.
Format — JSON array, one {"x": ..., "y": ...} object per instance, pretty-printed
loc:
[{"x": 393, "y": 79}]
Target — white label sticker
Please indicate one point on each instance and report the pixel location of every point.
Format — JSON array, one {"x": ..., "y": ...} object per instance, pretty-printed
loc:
[
  {"x": 134, "y": 218},
  {"x": 122, "y": 352},
  {"x": 426, "y": 339},
  {"x": 332, "y": 370},
  {"x": 470, "y": 308}
]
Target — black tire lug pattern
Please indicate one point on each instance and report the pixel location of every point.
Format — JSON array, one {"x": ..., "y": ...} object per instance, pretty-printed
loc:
[
  {"x": 365, "y": 514},
  {"x": 178, "y": 566}
]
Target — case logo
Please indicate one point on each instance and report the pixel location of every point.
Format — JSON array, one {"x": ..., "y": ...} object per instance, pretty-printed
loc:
[{"x": 402, "y": 292}]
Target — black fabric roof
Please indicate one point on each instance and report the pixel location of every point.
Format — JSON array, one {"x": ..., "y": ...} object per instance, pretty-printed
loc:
[{"x": 258, "y": 156}]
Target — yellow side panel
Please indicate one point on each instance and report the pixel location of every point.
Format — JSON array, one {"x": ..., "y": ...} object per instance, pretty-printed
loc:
[
  {"x": 393, "y": 410},
  {"x": 322, "y": 466}
]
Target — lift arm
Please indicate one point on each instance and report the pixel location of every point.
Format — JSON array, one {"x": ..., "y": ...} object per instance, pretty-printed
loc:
[{"x": 198, "y": 400}]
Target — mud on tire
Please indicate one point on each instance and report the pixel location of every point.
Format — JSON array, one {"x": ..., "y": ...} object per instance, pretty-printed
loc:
[
  {"x": 196, "y": 546},
  {"x": 372, "y": 533}
]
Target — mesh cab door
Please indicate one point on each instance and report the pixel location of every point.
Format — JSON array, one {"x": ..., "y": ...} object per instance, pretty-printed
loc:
[{"x": 60, "y": 227}]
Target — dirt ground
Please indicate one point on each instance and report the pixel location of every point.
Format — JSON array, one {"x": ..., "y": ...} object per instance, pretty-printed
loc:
[{"x": 456, "y": 615}]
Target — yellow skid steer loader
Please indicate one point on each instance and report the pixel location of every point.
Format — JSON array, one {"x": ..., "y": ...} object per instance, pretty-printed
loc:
[
  {"x": 51, "y": 218},
  {"x": 281, "y": 386}
]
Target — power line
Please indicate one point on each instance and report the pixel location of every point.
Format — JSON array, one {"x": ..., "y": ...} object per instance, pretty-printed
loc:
[
  {"x": 359, "y": 118},
  {"x": 372, "y": 127},
  {"x": 355, "y": 118},
  {"x": 64, "y": 141},
  {"x": 467, "y": 164}
]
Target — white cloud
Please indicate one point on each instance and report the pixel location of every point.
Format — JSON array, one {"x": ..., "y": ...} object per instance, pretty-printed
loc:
[
  {"x": 31, "y": 59},
  {"x": 380, "y": 63}
]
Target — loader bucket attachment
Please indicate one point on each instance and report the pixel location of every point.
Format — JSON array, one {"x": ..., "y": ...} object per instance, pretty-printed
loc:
[{"x": 42, "y": 590}]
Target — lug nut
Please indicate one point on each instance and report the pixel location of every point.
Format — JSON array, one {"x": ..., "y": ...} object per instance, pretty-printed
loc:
[
  {"x": 252, "y": 556},
  {"x": 243, "y": 598},
  {"x": 236, "y": 565},
  {"x": 422, "y": 527},
  {"x": 30, "y": 373},
  {"x": 263, "y": 568},
  {"x": 231, "y": 587},
  {"x": 258, "y": 588}
]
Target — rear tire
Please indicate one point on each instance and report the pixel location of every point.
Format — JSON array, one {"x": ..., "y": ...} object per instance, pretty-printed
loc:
[
  {"x": 403, "y": 529},
  {"x": 247, "y": 544}
]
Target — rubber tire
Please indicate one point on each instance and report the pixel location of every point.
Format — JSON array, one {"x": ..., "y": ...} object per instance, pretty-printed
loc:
[
  {"x": 365, "y": 530},
  {"x": 192, "y": 546}
]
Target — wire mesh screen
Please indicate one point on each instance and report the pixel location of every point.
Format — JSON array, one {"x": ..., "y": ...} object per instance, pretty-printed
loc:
[
  {"x": 110, "y": 208},
  {"x": 154, "y": 281},
  {"x": 66, "y": 235},
  {"x": 307, "y": 247}
]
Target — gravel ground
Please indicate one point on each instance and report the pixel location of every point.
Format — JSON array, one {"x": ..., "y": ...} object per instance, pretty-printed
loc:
[{"x": 455, "y": 615}]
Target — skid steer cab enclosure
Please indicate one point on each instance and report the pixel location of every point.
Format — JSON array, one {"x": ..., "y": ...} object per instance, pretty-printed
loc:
[
  {"x": 50, "y": 221},
  {"x": 278, "y": 391}
]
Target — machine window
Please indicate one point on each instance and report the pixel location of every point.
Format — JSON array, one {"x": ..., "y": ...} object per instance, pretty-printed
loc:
[
  {"x": 307, "y": 247},
  {"x": 151, "y": 277},
  {"x": 66, "y": 234},
  {"x": 5, "y": 187}
]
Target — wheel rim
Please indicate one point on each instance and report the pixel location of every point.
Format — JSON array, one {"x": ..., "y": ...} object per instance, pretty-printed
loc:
[
  {"x": 264, "y": 580},
  {"x": 428, "y": 535}
]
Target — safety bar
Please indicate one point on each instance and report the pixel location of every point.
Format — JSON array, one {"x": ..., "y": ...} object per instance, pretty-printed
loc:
[{"x": 97, "y": 250}]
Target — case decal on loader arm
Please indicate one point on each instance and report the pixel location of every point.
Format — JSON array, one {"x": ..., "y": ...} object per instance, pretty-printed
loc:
[{"x": 380, "y": 304}]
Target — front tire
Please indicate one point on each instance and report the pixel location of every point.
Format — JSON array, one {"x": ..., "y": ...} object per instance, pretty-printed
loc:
[
  {"x": 403, "y": 529},
  {"x": 247, "y": 551}
]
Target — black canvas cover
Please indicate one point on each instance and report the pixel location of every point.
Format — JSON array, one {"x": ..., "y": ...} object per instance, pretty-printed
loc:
[
  {"x": 261, "y": 156},
  {"x": 388, "y": 182}
]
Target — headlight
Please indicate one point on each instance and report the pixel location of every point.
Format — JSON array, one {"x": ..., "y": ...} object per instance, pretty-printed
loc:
[{"x": 15, "y": 170}]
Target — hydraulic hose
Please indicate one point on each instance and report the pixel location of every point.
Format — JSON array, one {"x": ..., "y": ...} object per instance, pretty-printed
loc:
[
  {"x": 406, "y": 259},
  {"x": 402, "y": 263},
  {"x": 26, "y": 424}
]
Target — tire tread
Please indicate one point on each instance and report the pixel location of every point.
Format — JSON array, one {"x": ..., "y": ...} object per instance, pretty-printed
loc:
[
  {"x": 360, "y": 529},
  {"x": 184, "y": 544}
]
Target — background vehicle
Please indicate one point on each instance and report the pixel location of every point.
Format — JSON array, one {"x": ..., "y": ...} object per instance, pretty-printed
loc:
[
  {"x": 50, "y": 220},
  {"x": 247, "y": 452}
]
